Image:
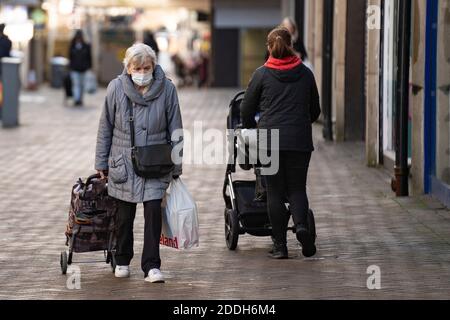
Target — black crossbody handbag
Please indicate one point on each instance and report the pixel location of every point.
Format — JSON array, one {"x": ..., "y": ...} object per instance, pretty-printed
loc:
[{"x": 150, "y": 162}]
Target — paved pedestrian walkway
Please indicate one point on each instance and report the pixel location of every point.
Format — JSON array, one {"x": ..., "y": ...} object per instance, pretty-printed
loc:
[{"x": 359, "y": 221}]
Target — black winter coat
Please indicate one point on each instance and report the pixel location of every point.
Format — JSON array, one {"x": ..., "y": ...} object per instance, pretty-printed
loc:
[
  {"x": 287, "y": 101},
  {"x": 5, "y": 46},
  {"x": 300, "y": 48},
  {"x": 80, "y": 58}
]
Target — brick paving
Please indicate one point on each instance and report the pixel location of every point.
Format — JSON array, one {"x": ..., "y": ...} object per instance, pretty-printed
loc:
[{"x": 359, "y": 221}]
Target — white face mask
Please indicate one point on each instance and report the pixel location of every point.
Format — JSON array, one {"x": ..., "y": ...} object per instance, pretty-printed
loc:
[{"x": 142, "y": 79}]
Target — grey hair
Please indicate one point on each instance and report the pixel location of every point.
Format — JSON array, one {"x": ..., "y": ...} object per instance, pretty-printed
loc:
[
  {"x": 138, "y": 53},
  {"x": 291, "y": 21}
]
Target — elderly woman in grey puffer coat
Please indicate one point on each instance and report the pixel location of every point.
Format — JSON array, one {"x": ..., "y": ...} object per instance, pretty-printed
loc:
[{"x": 154, "y": 101}]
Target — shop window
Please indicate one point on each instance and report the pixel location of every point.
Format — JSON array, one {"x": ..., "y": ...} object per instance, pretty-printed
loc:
[{"x": 389, "y": 77}]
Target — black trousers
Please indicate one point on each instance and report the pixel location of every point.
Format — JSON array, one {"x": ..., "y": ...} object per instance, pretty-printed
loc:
[
  {"x": 288, "y": 184},
  {"x": 152, "y": 233}
]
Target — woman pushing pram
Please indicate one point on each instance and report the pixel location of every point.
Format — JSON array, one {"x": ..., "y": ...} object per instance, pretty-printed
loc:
[{"x": 285, "y": 93}]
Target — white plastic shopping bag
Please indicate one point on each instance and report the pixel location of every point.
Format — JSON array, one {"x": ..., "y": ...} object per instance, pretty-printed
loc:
[
  {"x": 180, "y": 228},
  {"x": 90, "y": 82}
]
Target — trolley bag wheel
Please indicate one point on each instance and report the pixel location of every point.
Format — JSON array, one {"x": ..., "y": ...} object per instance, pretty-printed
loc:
[
  {"x": 63, "y": 262},
  {"x": 113, "y": 261},
  {"x": 312, "y": 224},
  {"x": 69, "y": 258},
  {"x": 231, "y": 229}
]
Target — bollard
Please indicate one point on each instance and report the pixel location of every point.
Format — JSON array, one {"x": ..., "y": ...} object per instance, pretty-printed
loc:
[
  {"x": 59, "y": 66},
  {"x": 11, "y": 91}
]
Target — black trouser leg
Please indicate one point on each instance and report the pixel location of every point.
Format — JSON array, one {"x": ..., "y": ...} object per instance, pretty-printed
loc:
[
  {"x": 152, "y": 235},
  {"x": 276, "y": 189},
  {"x": 124, "y": 234},
  {"x": 297, "y": 164}
]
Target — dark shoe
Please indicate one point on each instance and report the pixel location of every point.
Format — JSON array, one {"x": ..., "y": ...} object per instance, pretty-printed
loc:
[
  {"x": 279, "y": 252},
  {"x": 78, "y": 103},
  {"x": 306, "y": 240}
]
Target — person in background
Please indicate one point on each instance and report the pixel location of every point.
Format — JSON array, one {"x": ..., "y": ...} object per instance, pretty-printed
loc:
[
  {"x": 80, "y": 62},
  {"x": 149, "y": 39},
  {"x": 297, "y": 43},
  {"x": 203, "y": 69},
  {"x": 5, "y": 51},
  {"x": 284, "y": 92},
  {"x": 180, "y": 69},
  {"x": 5, "y": 45}
]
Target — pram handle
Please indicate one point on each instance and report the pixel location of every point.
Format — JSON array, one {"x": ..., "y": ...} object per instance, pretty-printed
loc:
[{"x": 236, "y": 97}]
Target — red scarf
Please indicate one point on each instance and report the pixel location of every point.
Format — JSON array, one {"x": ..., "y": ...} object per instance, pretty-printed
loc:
[{"x": 284, "y": 64}]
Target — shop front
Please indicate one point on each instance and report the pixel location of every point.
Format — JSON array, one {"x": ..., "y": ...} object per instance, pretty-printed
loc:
[
  {"x": 437, "y": 101},
  {"x": 179, "y": 31}
]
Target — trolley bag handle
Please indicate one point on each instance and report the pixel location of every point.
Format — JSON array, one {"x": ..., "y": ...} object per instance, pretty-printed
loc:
[{"x": 89, "y": 181}]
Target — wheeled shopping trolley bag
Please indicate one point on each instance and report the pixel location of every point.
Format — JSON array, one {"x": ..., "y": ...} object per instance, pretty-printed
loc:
[{"x": 91, "y": 222}]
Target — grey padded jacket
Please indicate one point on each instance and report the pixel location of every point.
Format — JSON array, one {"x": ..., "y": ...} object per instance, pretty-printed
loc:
[{"x": 157, "y": 115}]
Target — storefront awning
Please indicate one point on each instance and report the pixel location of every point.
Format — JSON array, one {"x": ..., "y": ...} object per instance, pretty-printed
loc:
[
  {"x": 203, "y": 5},
  {"x": 21, "y": 2}
]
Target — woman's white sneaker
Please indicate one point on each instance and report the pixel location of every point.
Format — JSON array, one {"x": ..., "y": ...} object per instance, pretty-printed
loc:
[
  {"x": 155, "y": 276},
  {"x": 122, "y": 271}
]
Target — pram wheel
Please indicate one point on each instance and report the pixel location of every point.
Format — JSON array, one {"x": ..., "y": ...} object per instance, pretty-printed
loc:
[
  {"x": 63, "y": 262},
  {"x": 231, "y": 229}
]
